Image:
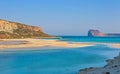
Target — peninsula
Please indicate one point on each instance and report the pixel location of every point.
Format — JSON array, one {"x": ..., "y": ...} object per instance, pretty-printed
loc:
[
  {"x": 17, "y": 35},
  {"x": 11, "y": 30}
]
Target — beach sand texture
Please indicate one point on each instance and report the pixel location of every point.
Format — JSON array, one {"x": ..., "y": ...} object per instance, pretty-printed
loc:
[{"x": 25, "y": 43}]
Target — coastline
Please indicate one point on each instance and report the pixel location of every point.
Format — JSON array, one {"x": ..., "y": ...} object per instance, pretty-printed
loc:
[{"x": 27, "y": 43}]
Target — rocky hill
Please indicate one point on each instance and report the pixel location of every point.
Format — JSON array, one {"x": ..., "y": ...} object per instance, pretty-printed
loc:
[
  {"x": 97, "y": 33},
  {"x": 10, "y": 29}
]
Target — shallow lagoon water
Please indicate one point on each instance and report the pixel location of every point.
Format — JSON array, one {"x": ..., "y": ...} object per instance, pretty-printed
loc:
[
  {"x": 51, "y": 60},
  {"x": 54, "y": 60}
]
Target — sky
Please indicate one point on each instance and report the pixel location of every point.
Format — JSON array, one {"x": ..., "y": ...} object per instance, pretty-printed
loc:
[{"x": 64, "y": 17}]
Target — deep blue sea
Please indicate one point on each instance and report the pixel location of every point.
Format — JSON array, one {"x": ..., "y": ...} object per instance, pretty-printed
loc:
[{"x": 52, "y": 60}]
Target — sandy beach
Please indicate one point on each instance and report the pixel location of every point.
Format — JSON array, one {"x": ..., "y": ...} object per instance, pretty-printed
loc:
[{"x": 26, "y": 43}]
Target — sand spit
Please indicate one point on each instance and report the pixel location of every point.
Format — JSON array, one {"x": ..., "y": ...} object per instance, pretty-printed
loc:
[
  {"x": 25, "y": 43},
  {"x": 116, "y": 45}
]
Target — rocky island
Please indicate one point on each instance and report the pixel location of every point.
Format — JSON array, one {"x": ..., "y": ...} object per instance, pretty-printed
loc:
[
  {"x": 97, "y": 33},
  {"x": 12, "y": 30},
  {"x": 112, "y": 67}
]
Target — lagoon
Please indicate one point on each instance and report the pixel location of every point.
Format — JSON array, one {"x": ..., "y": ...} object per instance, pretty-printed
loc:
[{"x": 53, "y": 60}]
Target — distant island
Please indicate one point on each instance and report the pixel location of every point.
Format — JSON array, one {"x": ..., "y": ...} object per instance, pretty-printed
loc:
[
  {"x": 10, "y": 30},
  {"x": 97, "y": 33}
]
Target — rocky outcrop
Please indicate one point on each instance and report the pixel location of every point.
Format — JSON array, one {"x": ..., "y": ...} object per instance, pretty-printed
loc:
[
  {"x": 10, "y": 29},
  {"x": 7, "y": 26},
  {"x": 97, "y": 33},
  {"x": 112, "y": 67}
]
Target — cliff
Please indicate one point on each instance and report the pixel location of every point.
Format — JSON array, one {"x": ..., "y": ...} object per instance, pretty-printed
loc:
[
  {"x": 97, "y": 33},
  {"x": 112, "y": 67},
  {"x": 10, "y": 29}
]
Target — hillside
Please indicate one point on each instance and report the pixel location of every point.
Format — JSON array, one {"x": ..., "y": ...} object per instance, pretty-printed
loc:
[{"x": 10, "y": 29}]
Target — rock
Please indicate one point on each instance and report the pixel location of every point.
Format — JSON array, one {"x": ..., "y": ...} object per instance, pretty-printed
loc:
[
  {"x": 10, "y": 29},
  {"x": 112, "y": 67},
  {"x": 7, "y": 26},
  {"x": 95, "y": 33}
]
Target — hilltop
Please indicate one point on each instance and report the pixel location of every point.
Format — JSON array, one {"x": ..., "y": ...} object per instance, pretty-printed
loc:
[{"x": 9, "y": 29}]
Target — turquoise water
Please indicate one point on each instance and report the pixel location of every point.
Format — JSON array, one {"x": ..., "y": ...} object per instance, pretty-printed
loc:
[
  {"x": 89, "y": 39},
  {"x": 51, "y": 60}
]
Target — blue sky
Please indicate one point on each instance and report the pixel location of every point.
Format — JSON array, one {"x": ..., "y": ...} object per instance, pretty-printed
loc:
[{"x": 64, "y": 17}]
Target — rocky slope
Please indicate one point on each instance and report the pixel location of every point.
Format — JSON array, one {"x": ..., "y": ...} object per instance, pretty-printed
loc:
[
  {"x": 10, "y": 29},
  {"x": 97, "y": 33}
]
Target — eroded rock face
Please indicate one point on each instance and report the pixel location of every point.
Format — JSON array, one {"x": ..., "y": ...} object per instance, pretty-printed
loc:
[
  {"x": 35, "y": 28},
  {"x": 7, "y": 26},
  {"x": 10, "y": 29},
  {"x": 95, "y": 33}
]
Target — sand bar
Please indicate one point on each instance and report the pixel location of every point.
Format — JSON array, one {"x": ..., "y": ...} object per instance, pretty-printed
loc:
[
  {"x": 26, "y": 43},
  {"x": 116, "y": 45}
]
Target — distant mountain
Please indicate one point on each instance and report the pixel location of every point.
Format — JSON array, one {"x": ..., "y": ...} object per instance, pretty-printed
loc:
[
  {"x": 97, "y": 33},
  {"x": 10, "y": 29}
]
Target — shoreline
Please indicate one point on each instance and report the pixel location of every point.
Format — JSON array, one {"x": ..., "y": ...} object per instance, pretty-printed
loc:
[
  {"x": 31, "y": 43},
  {"x": 28, "y": 43}
]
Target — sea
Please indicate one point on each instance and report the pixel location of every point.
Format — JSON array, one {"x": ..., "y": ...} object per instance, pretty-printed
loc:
[{"x": 56, "y": 60}]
